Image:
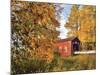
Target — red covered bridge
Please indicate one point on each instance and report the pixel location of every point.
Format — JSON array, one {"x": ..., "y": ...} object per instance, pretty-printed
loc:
[{"x": 66, "y": 47}]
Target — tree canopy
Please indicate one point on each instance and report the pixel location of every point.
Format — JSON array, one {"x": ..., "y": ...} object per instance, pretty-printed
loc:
[{"x": 82, "y": 22}]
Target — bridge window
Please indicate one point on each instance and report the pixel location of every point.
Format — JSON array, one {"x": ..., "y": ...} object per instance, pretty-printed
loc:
[
  {"x": 60, "y": 48},
  {"x": 65, "y": 49}
]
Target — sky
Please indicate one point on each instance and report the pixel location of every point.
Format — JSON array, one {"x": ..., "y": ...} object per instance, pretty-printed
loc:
[{"x": 64, "y": 18}]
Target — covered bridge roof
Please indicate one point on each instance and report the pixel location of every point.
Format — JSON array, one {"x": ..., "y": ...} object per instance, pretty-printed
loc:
[{"x": 67, "y": 39}]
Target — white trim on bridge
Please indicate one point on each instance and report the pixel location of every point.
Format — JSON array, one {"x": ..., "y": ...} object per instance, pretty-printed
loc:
[{"x": 85, "y": 52}]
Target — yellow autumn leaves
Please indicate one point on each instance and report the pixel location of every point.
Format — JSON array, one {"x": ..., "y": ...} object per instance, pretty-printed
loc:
[
  {"x": 82, "y": 22},
  {"x": 36, "y": 25}
]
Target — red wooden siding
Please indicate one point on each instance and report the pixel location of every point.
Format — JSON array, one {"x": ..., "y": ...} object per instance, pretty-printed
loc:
[{"x": 64, "y": 48}]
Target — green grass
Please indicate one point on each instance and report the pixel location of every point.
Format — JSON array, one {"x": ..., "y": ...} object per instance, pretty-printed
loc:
[
  {"x": 78, "y": 62},
  {"x": 58, "y": 64}
]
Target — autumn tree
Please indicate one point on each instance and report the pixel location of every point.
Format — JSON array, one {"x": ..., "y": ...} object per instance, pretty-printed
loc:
[
  {"x": 87, "y": 29},
  {"x": 87, "y": 23},
  {"x": 72, "y": 23},
  {"x": 33, "y": 32},
  {"x": 82, "y": 23}
]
